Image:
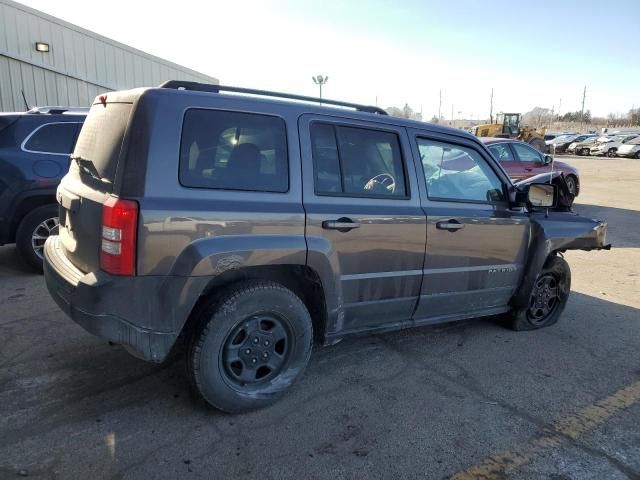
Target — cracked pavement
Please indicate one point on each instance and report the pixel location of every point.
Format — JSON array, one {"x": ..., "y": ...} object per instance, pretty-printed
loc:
[{"x": 424, "y": 403}]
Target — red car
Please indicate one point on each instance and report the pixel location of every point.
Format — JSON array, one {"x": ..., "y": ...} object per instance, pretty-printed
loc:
[{"x": 520, "y": 161}]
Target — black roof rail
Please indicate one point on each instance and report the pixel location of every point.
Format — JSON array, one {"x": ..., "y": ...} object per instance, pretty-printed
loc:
[{"x": 209, "y": 87}]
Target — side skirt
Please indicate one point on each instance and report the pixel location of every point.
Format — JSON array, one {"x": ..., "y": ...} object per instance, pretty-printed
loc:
[{"x": 333, "y": 338}]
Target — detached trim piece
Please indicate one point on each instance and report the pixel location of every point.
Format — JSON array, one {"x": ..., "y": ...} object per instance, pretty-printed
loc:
[{"x": 211, "y": 88}]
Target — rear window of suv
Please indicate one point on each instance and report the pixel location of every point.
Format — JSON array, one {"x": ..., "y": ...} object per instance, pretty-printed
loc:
[{"x": 234, "y": 151}]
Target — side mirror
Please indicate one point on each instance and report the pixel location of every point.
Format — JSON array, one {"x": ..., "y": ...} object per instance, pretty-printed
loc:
[
  {"x": 548, "y": 159},
  {"x": 542, "y": 195}
]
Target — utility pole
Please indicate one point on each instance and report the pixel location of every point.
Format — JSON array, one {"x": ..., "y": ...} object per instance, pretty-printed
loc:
[
  {"x": 491, "y": 107},
  {"x": 320, "y": 81},
  {"x": 559, "y": 107},
  {"x": 584, "y": 95},
  {"x": 440, "y": 107},
  {"x": 452, "y": 114}
]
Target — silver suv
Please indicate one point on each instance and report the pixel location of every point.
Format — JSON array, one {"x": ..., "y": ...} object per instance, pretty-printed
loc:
[{"x": 243, "y": 227}]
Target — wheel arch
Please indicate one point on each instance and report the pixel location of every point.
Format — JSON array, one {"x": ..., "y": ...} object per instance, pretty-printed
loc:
[
  {"x": 302, "y": 280},
  {"x": 23, "y": 206}
]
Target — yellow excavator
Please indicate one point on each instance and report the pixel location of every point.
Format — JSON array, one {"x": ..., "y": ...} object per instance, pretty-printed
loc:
[{"x": 508, "y": 126}]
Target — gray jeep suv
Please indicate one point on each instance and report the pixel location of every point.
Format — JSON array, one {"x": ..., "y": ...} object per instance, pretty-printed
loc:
[{"x": 246, "y": 226}]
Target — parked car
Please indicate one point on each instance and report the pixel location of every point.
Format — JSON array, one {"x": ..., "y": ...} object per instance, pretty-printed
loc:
[
  {"x": 34, "y": 155},
  {"x": 562, "y": 146},
  {"x": 610, "y": 147},
  {"x": 583, "y": 147},
  {"x": 324, "y": 217},
  {"x": 520, "y": 161},
  {"x": 630, "y": 149}
]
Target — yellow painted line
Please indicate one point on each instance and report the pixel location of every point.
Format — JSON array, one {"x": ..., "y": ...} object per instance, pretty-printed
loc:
[{"x": 573, "y": 426}]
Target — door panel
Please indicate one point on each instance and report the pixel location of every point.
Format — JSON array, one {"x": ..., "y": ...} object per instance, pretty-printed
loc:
[
  {"x": 474, "y": 268},
  {"x": 376, "y": 268},
  {"x": 475, "y": 249}
]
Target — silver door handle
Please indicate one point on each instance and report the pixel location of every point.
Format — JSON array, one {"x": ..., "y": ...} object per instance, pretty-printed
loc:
[
  {"x": 450, "y": 225},
  {"x": 339, "y": 225}
]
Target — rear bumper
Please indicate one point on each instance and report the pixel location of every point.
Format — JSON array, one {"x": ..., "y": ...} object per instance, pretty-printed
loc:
[{"x": 144, "y": 314}]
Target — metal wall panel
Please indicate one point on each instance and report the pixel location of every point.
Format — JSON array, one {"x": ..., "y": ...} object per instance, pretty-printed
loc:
[{"x": 79, "y": 65}]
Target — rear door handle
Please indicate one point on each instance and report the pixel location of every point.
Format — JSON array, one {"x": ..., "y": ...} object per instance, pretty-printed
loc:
[
  {"x": 450, "y": 225},
  {"x": 342, "y": 224}
]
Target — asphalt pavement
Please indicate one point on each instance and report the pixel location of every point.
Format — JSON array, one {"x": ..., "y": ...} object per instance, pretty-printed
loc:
[{"x": 469, "y": 401}]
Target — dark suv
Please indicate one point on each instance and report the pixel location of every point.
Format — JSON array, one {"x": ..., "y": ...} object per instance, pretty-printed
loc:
[
  {"x": 245, "y": 226},
  {"x": 34, "y": 155}
]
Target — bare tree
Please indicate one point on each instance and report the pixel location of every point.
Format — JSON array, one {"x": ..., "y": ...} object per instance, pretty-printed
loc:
[{"x": 404, "y": 112}]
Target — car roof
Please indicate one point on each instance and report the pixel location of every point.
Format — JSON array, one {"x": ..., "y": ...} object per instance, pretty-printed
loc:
[{"x": 302, "y": 107}]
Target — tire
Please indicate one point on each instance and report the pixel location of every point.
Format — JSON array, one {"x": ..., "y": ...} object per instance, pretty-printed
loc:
[
  {"x": 637, "y": 155},
  {"x": 544, "y": 311},
  {"x": 572, "y": 185},
  {"x": 612, "y": 153},
  {"x": 33, "y": 231},
  {"x": 258, "y": 322}
]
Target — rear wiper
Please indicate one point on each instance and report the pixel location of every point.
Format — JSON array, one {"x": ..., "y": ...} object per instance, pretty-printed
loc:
[{"x": 87, "y": 166}]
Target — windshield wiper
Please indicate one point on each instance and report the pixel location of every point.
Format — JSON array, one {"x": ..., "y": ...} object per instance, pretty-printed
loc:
[{"x": 88, "y": 167}]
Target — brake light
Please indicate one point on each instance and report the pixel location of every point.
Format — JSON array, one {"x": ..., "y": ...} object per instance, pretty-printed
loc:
[{"x": 118, "y": 242}]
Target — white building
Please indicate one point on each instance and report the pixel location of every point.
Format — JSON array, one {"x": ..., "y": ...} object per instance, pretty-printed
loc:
[{"x": 57, "y": 63}]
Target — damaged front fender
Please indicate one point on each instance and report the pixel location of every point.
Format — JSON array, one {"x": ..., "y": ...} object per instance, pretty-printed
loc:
[{"x": 553, "y": 232}]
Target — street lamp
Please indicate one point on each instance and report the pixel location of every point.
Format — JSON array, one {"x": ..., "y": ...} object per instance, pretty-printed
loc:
[{"x": 320, "y": 80}]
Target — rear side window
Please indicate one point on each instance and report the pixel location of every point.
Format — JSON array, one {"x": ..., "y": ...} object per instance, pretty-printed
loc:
[
  {"x": 53, "y": 138},
  {"x": 357, "y": 161},
  {"x": 234, "y": 151}
]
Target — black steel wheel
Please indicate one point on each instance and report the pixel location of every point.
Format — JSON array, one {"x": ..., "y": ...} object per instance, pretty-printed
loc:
[
  {"x": 548, "y": 298},
  {"x": 256, "y": 350},
  {"x": 545, "y": 299},
  {"x": 249, "y": 345}
]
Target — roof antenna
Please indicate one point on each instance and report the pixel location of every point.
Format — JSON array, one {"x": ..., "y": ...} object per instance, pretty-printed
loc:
[{"x": 24, "y": 98}]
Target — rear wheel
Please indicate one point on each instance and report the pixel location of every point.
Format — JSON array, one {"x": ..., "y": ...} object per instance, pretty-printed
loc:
[
  {"x": 33, "y": 231},
  {"x": 548, "y": 297},
  {"x": 251, "y": 345},
  {"x": 637, "y": 155},
  {"x": 612, "y": 153}
]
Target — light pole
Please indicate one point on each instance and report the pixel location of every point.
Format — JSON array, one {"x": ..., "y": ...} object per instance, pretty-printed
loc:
[{"x": 320, "y": 80}]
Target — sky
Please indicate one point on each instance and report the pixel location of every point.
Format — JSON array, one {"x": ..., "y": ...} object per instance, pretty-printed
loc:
[{"x": 540, "y": 53}]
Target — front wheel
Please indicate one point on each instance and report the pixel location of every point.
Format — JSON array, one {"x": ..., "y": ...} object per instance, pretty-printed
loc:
[
  {"x": 637, "y": 155},
  {"x": 572, "y": 185},
  {"x": 548, "y": 297},
  {"x": 251, "y": 345},
  {"x": 612, "y": 153}
]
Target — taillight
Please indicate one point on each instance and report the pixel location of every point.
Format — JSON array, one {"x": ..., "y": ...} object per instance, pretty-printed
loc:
[{"x": 118, "y": 243}]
